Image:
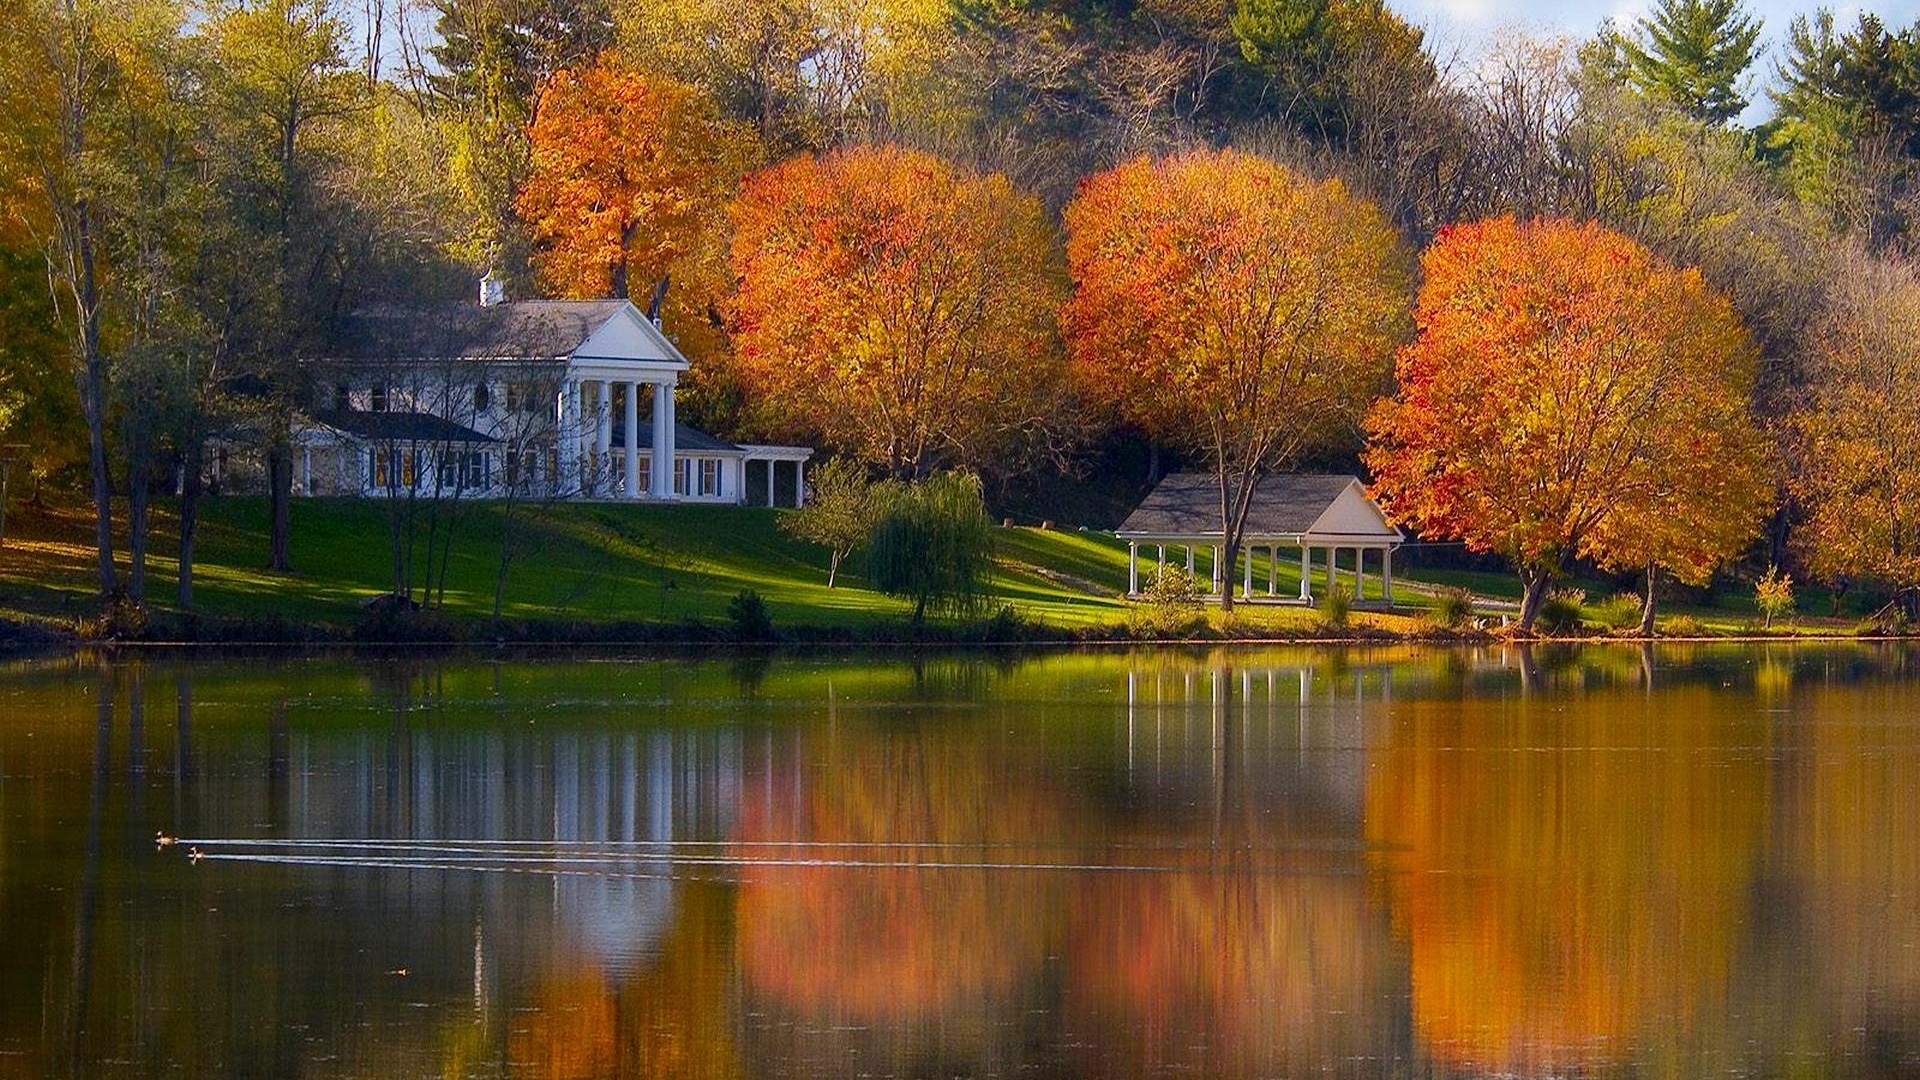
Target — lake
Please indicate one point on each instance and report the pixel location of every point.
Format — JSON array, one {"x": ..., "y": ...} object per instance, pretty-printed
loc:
[{"x": 1245, "y": 862}]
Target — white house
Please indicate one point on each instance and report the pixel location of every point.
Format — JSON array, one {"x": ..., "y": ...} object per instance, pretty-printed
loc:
[
  {"x": 544, "y": 398},
  {"x": 1310, "y": 513}
]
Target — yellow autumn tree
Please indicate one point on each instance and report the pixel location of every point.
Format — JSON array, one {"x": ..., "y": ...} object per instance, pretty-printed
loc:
[
  {"x": 1233, "y": 307},
  {"x": 898, "y": 307},
  {"x": 1856, "y": 429}
]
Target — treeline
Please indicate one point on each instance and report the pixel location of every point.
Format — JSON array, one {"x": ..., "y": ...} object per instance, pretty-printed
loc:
[{"x": 995, "y": 234}]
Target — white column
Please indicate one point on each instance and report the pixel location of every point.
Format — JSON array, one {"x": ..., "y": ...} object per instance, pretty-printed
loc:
[
  {"x": 1386, "y": 574},
  {"x": 1359, "y": 573},
  {"x": 662, "y": 441},
  {"x": 1133, "y": 567},
  {"x": 1273, "y": 569},
  {"x": 1189, "y": 560},
  {"x": 1246, "y": 589},
  {"x": 1219, "y": 581},
  {"x": 799, "y": 483},
  {"x": 1163, "y": 560},
  {"x": 632, "y": 441},
  {"x": 603, "y": 438},
  {"x": 770, "y": 501},
  {"x": 566, "y": 435},
  {"x": 1306, "y": 573}
]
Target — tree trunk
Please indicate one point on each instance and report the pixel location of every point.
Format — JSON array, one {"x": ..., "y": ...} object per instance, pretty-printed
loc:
[
  {"x": 1647, "y": 603},
  {"x": 190, "y": 489},
  {"x": 833, "y": 566},
  {"x": 1534, "y": 581},
  {"x": 280, "y": 497},
  {"x": 93, "y": 391},
  {"x": 139, "y": 499},
  {"x": 1229, "y": 561}
]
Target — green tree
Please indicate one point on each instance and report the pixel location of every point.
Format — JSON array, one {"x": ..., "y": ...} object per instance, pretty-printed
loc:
[
  {"x": 1695, "y": 54},
  {"x": 842, "y": 508},
  {"x": 933, "y": 545},
  {"x": 492, "y": 58}
]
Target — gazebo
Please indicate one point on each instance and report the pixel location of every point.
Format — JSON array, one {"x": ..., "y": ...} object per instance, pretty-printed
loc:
[{"x": 1289, "y": 512}]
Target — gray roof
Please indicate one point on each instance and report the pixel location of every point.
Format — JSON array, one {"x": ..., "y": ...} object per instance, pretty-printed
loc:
[
  {"x": 1188, "y": 504},
  {"x": 521, "y": 328},
  {"x": 684, "y": 437},
  {"x": 400, "y": 427}
]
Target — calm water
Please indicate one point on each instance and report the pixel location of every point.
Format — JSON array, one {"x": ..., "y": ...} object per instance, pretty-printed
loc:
[{"x": 1184, "y": 864}]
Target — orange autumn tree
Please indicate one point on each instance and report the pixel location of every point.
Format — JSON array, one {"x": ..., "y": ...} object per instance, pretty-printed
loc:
[
  {"x": 629, "y": 173},
  {"x": 1233, "y": 307},
  {"x": 1570, "y": 395},
  {"x": 898, "y": 306}
]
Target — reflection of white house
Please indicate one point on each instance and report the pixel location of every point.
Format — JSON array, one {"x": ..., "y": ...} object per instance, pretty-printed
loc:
[
  {"x": 544, "y": 398},
  {"x": 1325, "y": 513}
]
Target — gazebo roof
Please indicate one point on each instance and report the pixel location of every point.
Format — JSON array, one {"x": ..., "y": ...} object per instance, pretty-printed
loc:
[{"x": 1186, "y": 506}]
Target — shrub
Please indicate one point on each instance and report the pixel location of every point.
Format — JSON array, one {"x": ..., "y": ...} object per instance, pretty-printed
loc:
[
  {"x": 1170, "y": 604},
  {"x": 1560, "y": 611},
  {"x": 1619, "y": 611},
  {"x": 1337, "y": 612},
  {"x": 1773, "y": 595},
  {"x": 1452, "y": 607},
  {"x": 1684, "y": 626},
  {"x": 840, "y": 512},
  {"x": 747, "y": 613}
]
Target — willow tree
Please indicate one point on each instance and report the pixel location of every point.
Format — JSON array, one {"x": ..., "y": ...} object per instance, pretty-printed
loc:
[
  {"x": 1571, "y": 395},
  {"x": 1233, "y": 307}
]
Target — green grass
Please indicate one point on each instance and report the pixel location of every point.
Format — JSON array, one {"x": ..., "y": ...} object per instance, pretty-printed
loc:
[
  {"x": 605, "y": 563},
  {"x": 600, "y": 562}
]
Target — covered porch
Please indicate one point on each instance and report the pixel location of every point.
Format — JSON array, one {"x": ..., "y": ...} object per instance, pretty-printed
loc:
[
  {"x": 1304, "y": 536},
  {"x": 1309, "y": 567}
]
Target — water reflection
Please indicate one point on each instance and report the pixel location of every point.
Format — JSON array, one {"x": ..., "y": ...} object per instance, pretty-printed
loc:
[{"x": 1200, "y": 863}]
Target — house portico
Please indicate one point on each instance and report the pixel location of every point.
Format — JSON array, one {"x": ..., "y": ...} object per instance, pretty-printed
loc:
[{"x": 555, "y": 398}]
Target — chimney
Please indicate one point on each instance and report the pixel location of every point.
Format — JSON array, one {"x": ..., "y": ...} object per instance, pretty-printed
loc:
[{"x": 493, "y": 290}]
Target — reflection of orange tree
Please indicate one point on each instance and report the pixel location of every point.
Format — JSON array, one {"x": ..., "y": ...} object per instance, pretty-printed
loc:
[
  {"x": 1228, "y": 972},
  {"x": 672, "y": 1022},
  {"x": 1853, "y": 846},
  {"x": 1562, "y": 908},
  {"x": 882, "y": 942}
]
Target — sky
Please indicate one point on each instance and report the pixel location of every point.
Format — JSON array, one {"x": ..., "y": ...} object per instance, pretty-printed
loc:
[{"x": 1469, "y": 25}]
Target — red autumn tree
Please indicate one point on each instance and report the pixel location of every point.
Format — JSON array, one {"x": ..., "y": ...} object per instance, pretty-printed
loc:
[
  {"x": 1570, "y": 395},
  {"x": 898, "y": 306},
  {"x": 629, "y": 173},
  {"x": 1233, "y": 307}
]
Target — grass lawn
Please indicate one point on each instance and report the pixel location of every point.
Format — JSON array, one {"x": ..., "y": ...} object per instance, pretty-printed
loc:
[{"x": 636, "y": 563}]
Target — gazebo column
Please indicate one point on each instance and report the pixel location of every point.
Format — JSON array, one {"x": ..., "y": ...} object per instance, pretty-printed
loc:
[
  {"x": 1273, "y": 569},
  {"x": 1246, "y": 587},
  {"x": 1219, "y": 581},
  {"x": 1133, "y": 566},
  {"x": 1359, "y": 573},
  {"x": 1189, "y": 560},
  {"x": 1386, "y": 574},
  {"x": 770, "y": 500},
  {"x": 1162, "y": 570},
  {"x": 799, "y": 484},
  {"x": 632, "y": 441},
  {"x": 1306, "y": 574}
]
